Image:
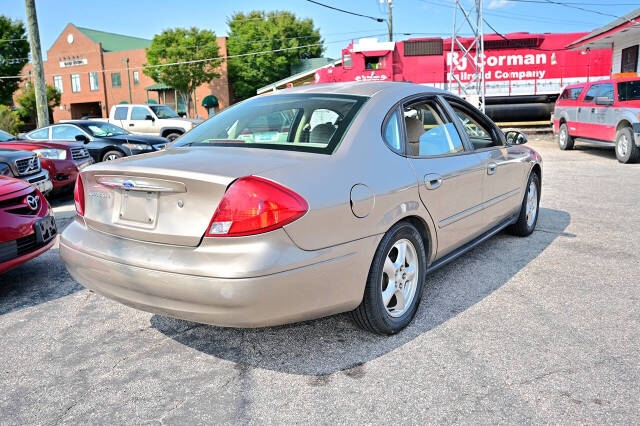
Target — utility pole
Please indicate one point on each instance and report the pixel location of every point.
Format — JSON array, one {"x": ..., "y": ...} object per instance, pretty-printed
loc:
[
  {"x": 126, "y": 60},
  {"x": 390, "y": 17},
  {"x": 470, "y": 58},
  {"x": 42, "y": 105}
]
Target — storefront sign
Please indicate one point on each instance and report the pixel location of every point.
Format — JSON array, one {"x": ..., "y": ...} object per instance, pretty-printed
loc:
[{"x": 73, "y": 62}]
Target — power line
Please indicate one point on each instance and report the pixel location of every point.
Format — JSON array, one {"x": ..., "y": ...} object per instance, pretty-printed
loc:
[
  {"x": 588, "y": 10},
  {"x": 512, "y": 15},
  {"x": 578, "y": 3},
  {"x": 346, "y": 11},
  {"x": 196, "y": 61}
]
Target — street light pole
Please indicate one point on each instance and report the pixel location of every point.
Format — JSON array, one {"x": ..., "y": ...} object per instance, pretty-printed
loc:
[
  {"x": 42, "y": 105},
  {"x": 126, "y": 60}
]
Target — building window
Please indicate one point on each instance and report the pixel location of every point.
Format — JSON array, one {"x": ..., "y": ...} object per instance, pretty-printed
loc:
[
  {"x": 93, "y": 81},
  {"x": 629, "y": 61},
  {"x": 116, "y": 80},
  {"x": 75, "y": 83},
  {"x": 57, "y": 83},
  {"x": 373, "y": 62},
  {"x": 136, "y": 78}
]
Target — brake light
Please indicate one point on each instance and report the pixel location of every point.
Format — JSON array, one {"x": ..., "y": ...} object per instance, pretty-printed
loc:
[
  {"x": 254, "y": 205},
  {"x": 78, "y": 195}
]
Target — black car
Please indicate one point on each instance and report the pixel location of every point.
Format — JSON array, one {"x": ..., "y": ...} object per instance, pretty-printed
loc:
[{"x": 104, "y": 141}]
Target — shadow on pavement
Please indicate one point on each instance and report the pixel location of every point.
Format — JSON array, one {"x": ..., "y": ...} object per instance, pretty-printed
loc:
[
  {"x": 37, "y": 281},
  {"x": 600, "y": 151},
  {"x": 328, "y": 345}
]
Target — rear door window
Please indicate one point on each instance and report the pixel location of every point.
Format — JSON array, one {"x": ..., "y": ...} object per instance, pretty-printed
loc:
[
  {"x": 429, "y": 133},
  {"x": 65, "y": 133}
]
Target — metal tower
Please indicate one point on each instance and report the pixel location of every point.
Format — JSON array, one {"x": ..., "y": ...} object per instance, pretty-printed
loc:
[{"x": 468, "y": 60}]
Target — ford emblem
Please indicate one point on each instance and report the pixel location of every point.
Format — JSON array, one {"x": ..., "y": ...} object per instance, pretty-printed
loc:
[{"x": 127, "y": 184}]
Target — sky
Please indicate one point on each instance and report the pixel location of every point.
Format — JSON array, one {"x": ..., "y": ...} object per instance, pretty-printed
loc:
[{"x": 421, "y": 18}]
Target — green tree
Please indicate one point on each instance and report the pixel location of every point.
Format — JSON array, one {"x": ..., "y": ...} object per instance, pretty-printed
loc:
[
  {"x": 27, "y": 101},
  {"x": 13, "y": 56},
  {"x": 9, "y": 120},
  {"x": 183, "y": 45},
  {"x": 260, "y": 31}
]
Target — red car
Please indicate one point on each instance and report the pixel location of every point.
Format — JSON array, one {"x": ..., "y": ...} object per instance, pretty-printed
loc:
[
  {"x": 63, "y": 160},
  {"x": 27, "y": 225}
]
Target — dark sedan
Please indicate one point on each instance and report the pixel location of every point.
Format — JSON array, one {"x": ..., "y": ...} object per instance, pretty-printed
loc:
[{"x": 104, "y": 141}]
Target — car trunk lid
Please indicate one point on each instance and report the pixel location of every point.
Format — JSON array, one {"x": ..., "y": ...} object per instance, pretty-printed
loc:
[{"x": 170, "y": 196}]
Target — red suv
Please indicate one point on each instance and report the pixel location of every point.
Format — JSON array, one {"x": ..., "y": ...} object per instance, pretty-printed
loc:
[
  {"x": 63, "y": 160},
  {"x": 603, "y": 112},
  {"x": 27, "y": 226}
]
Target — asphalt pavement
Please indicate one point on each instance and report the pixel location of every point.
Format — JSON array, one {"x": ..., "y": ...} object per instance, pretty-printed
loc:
[{"x": 543, "y": 329}]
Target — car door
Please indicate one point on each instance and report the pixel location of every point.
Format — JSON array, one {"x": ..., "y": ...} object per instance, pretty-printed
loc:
[
  {"x": 141, "y": 120},
  {"x": 603, "y": 117},
  {"x": 503, "y": 172},
  {"x": 448, "y": 172},
  {"x": 585, "y": 121}
]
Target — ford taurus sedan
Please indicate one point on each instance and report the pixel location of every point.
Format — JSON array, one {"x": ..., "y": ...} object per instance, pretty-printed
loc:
[{"x": 365, "y": 189}]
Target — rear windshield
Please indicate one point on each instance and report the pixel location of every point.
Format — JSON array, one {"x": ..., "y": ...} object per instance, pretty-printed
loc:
[
  {"x": 629, "y": 90},
  {"x": 299, "y": 122}
]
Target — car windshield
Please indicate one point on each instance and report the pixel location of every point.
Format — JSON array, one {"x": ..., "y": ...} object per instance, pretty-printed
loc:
[
  {"x": 163, "y": 111},
  {"x": 5, "y": 137},
  {"x": 100, "y": 130},
  {"x": 629, "y": 90},
  {"x": 300, "y": 122}
]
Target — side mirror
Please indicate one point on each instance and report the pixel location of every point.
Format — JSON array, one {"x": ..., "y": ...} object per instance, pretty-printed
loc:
[
  {"x": 150, "y": 117},
  {"x": 515, "y": 137},
  {"x": 82, "y": 138},
  {"x": 604, "y": 100}
]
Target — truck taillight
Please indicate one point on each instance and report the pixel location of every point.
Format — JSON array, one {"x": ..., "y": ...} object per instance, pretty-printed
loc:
[
  {"x": 254, "y": 205},
  {"x": 78, "y": 195}
]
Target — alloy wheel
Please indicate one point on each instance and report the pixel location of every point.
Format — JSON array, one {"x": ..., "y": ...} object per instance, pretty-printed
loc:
[
  {"x": 531, "y": 207},
  {"x": 623, "y": 146},
  {"x": 399, "y": 278}
]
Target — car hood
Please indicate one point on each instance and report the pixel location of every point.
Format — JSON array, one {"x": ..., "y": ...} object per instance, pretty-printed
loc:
[
  {"x": 31, "y": 145},
  {"x": 8, "y": 154},
  {"x": 151, "y": 140},
  {"x": 10, "y": 185}
]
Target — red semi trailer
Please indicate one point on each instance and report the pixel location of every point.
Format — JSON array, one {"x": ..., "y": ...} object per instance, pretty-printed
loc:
[{"x": 524, "y": 73}]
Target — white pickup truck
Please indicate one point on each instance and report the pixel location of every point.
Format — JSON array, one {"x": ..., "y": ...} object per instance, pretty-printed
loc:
[{"x": 150, "y": 119}]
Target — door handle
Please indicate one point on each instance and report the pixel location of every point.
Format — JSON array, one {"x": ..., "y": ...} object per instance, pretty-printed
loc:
[
  {"x": 579, "y": 109},
  {"x": 130, "y": 124},
  {"x": 432, "y": 181},
  {"x": 593, "y": 110},
  {"x": 491, "y": 168}
]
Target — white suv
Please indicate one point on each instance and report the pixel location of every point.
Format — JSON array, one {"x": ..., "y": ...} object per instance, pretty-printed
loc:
[{"x": 155, "y": 119}]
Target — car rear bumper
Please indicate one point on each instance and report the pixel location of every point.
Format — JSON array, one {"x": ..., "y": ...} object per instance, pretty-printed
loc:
[{"x": 306, "y": 285}]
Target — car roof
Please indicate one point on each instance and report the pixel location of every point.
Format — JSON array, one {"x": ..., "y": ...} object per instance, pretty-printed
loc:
[{"x": 359, "y": 88}]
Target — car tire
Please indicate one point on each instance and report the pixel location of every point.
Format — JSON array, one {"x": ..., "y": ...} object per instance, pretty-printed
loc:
[
  {"x": 388, "y": 318},
  {"x": 626, "y": 149},
  {"x": 565, "y": 140},
  {"x": 528, "y": 216},
  {"x": 112, "y": 155},
  {"x": 173, "y": 136}
]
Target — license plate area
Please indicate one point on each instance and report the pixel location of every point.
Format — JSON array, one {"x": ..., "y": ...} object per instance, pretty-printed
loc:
[
  {"x": 45, "y": 229},
  {"x": 138, "y": 208}
]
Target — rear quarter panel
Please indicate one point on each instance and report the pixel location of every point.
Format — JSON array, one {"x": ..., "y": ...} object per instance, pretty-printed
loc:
[{"x": 327, "y": 180}]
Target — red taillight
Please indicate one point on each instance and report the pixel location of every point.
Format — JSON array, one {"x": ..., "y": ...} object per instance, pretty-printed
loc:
[
  {"x": 78, "y": 195},
  {"x": 253, "y": 205}
]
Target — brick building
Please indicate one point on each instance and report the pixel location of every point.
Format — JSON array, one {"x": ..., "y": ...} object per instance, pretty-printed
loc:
[{"x": 89, "y": 68}]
